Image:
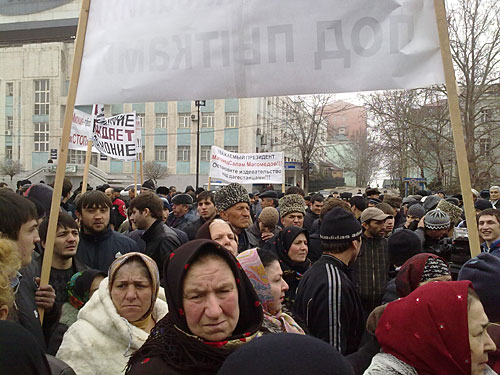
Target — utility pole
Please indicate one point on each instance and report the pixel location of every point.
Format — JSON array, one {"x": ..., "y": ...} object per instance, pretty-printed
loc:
[{"x": 198, "y": 104}]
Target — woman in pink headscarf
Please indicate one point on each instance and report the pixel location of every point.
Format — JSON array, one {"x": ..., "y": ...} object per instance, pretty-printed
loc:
[{"x": 263, "y": 269}]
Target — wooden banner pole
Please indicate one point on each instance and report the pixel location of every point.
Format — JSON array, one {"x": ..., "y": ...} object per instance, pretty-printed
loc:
[
  {"x": 87, "y": 166},
  {"x": 135, "y": 177},
  {"x": 141, "y": 169},
  {"x": 456, "y": 124},
  {"x": 209, "y": 182},
  {"x": 63, "y": 152}
]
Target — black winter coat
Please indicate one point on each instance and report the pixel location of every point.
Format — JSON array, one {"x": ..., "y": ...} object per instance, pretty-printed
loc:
[
  {"x": 328, "y": 303},
  {"x": 98, "y": 251}
]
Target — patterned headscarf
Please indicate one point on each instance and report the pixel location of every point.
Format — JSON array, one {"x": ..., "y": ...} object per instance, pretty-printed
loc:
[
  {"x": 151, "y": 267},
  {"x": 78, "y": 287},
  {"x": 256, "y": 272}
]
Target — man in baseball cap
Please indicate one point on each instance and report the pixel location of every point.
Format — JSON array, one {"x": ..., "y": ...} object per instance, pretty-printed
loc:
[{"x": 372, "y": 265}]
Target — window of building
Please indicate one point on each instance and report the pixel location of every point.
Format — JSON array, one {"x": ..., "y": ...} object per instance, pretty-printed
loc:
[
  {"x": 205, "y": 153},
  {"x": 207, "y": 120},
  {"x": 93, "y": 159},
  {"x": 160, "y": 153},
  {"x": 161, "y": 120},
  {"x": 232, "y": 120},
  {"x": 484, "y": 144},
  {"x": 10, "y": 123},
  {"x": 231, "y": 148},
  {"x": 183, "y": 153},
  {"x": 8, "y": 152},
  {"x": 41, "y": 136},
  {"x": 184, "y": 120},
  {"x": 42, "y": 97},
  {"x": 141, "y": 118},
  {"x": 9, "y": 89},
  {"x": 485, "y": 115},
  {"x": 76, "y": 157}
]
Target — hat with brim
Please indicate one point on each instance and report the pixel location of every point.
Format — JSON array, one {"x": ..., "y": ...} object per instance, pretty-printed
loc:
[{"x": 373, "y": 213}]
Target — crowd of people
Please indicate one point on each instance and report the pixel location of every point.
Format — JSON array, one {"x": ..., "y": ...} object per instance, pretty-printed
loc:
[{"x": 232, "y": 282}]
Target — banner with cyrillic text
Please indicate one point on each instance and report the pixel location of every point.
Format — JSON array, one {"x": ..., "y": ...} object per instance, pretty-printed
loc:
[
  {"x": 81, "y": 131},
  {"x": 158, "y": 50},
  {"x": 115, "y": 136},
  {"x": 246, "y": 168}
]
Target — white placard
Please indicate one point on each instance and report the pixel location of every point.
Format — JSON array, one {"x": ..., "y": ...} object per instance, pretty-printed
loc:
[
  {"x": 81, "y": 131},
  {"x": 156, "y": 50},
  {"x": 115, "y": 136},
  {"x": 265, "y": 168}
]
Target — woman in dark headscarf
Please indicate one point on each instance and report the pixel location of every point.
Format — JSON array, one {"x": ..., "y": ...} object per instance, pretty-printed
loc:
[
  {"x": 19, "y": 352},
  {"x": 419, "y": 270},
  {"x": 439, "y": 329},
  {"x": 213, "y": 309},
  {"x": 291, "y": 247}
]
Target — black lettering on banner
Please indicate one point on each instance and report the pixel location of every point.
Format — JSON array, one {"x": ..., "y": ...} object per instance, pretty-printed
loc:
[
  {"x": 372, "y": 24},
  {"x": 253, "y": 46},
  {"x": 184, "y": 52},
  {"x": 401, "y": 36},
  {"x": 205, "y": 38},
  {"x": 158, "y": 58},
  {"x": 342, "y": 52},
  {"x": 272, "y": 31}
]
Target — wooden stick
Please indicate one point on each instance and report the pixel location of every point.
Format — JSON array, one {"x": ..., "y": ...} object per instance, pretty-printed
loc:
[
  {"x": 209, "y": 182},
  {"x": 61, "y": 165},
  {"x": 140, "y": 168},
  {"x": 456, "y": 124},
  {"x": 87, "y": 166},
  {"x": 135, "y": 177}
]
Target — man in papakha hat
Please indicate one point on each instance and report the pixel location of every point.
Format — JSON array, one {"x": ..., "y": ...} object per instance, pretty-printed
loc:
[
  {"x": 327, "y": 300},
  {"x": 233, "y": 205}
]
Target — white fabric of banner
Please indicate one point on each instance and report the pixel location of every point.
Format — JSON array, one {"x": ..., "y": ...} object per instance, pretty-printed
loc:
[
  {"x": 246, "y": 168},
  {"x": 157, "y": 50}
]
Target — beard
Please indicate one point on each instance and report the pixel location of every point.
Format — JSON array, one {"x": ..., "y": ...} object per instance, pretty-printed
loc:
[{"x": 90, "y": 230}]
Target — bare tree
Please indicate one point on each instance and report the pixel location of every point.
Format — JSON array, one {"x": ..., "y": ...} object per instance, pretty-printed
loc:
[
  {"x": 303, "y": 123},
  {"x": 358, "y": 155},
  {"x": 155, "y": 171},
  {"x": 10, "y": 168}
]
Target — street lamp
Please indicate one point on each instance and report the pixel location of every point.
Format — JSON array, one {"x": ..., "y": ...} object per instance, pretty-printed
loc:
[{"x": 198, "y": 104}]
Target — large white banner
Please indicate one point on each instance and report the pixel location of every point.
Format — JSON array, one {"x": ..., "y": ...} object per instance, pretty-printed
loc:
[
  {"x": 157, "y": 50},
  {"x": 247, "y": 168},
  {"x": 116, "y": 136}
]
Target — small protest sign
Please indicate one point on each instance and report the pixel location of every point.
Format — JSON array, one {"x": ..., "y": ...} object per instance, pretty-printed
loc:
[
  {"x": 115, "y": 136},
  {"x": 246, "y": 168},
  {"x": 81, "y": 131}
]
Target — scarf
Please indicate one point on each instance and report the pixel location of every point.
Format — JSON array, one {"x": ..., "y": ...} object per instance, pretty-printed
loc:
[
  {"x": 256, "y": 272},
  {"x": 154, "y": 275},
  {"x": 282, "y": 246},
  {"x": 428, "y": 329},
  {"x": 410, "y": 274},
  {"x": 171, "y": 338},
  {"x": 78, "y": 287}
]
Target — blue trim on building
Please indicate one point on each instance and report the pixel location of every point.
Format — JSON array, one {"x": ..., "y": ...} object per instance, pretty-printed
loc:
[
  {"x": 184, "y": 106},
  {"x": 231, "y": 136},
  {"x": 161, "y": 107},
  {"x": 139, "y": 107},
  {"x": 39, "y": 159},
  {"x": 204, "y": 167},
  {"x": 232, "y": 105},
  {"x": 209, "y": 106},
  {"x": 116, "y": 109},
  {"x": 161, "y": 138},
  {"x": 9, "y": 101},
  {"x": 84, "y": 108},
  {"x": 182, "y": 167},
  {"x": 183, "y": 137},
  {"x": 9, "y": 111},
  {"x": 40, "y": 118},
  {"x": 162, "y": 163},
  {"x": 207, "y": 137},
  {"x": 116, "y": 166},
  {"x": 8, "y": 140}
]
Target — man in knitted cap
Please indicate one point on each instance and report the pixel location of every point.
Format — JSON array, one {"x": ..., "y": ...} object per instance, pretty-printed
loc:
[
  {"x": 415, "y": 212},
  {"x": 264, "y": 228},
  {"x": 292, "y": 210},
  {"x": 432, "y": 229},
  {"x": 327, "y": 300},
  {"x": 233, "y": 206}
]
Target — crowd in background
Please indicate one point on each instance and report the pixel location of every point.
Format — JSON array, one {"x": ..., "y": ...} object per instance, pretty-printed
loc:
[{"x": 160, "y": 281}]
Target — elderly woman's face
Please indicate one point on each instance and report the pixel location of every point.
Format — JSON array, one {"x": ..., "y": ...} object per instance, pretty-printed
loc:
[
  {"x": 479, "y": 340},
  {"x": 222, "y": 234},
  {"x": 210, "y": 300},
  {"x": 132, "y": 291}
]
